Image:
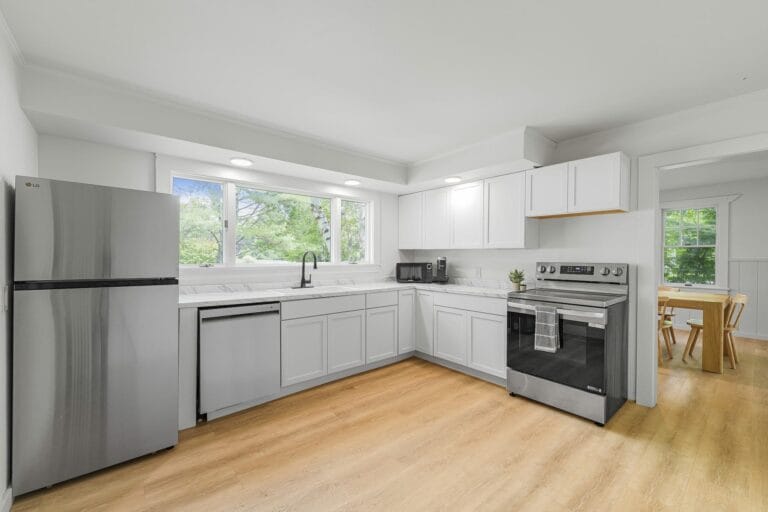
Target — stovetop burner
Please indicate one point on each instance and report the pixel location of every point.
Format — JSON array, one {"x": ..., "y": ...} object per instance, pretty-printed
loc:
[{"x": 575, "y": 297}]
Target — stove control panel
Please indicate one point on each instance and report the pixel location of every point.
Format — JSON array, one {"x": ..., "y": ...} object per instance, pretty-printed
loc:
[{"x": 616, "y": 273}]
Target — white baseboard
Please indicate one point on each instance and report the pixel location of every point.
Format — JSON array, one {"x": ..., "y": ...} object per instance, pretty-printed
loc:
[{"x": 5, "y": 505}]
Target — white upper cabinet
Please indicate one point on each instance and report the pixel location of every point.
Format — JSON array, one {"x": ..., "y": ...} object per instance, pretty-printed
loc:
[
  {"x": 546, "y": 191},
  {"x": 436, "y": 221},
  {"x": 591, "y": 185},
  {"x": 467, "y": 216},
  {"x": 600, "y": 183},
  {"x": 410, "y": 221},
  {"x": 506, "y": 226}
]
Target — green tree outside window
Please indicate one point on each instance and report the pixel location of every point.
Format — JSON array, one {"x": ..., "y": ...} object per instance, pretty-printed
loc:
[
  {"x": 690, "y": 245},
  {"x": 269, "y": 226}
]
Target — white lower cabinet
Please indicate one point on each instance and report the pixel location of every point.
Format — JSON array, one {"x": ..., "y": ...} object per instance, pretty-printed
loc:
[
  {"x": 405, "y": 321},
  {"x": 346, "y": 340},
  {"x": 304, "y": 349},
  {"x": 487, "y": 337},
  {"x": 424, "y": 322},
  {"x": 451, "y": 334},
  {"x": 380, "y": 333}
]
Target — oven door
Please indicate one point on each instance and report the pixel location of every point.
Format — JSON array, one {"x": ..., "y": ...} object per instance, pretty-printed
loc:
[{"x": 578, "y": 362}]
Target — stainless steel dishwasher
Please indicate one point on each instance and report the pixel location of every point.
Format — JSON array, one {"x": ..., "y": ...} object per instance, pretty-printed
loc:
[{"x": 239, "y": 356}]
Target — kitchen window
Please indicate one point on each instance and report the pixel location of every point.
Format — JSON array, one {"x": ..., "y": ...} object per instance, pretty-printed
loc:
[
  {"x": 201, "y": 227},
  {"x": 239, "y": 224}
]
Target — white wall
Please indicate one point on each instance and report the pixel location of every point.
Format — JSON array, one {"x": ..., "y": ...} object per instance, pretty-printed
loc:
[
  {"x": 67, "y": 159},
  {"x": 18, "y": 156},
  {"x": 748, "y": 248}
]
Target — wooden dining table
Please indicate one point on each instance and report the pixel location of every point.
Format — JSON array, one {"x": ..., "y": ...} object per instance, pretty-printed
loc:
[{"x": 713, "y": 306}]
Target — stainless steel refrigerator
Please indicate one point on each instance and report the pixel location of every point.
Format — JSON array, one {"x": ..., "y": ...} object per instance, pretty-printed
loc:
[{"x": 95, "y": 344}]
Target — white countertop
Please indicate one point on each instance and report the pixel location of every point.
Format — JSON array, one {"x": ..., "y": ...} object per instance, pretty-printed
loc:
[{"x": 199, "y": 300}]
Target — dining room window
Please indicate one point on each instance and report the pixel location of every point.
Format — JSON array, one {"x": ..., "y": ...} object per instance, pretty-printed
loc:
[{"x": 690, "y": 246}]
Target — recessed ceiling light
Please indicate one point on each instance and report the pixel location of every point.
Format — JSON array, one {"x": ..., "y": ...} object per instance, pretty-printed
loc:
[
  {"x": 351, "y": 183},
  {"x": 452, "y": 179},
  {"x": 241, "y": 162}
]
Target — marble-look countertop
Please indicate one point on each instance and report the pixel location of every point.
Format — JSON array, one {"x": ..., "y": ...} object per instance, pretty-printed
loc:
[{"x": 200, "y": 300}]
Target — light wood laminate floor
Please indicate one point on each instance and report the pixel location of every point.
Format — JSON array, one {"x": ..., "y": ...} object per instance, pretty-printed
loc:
[{"x": 415, "y": 436}]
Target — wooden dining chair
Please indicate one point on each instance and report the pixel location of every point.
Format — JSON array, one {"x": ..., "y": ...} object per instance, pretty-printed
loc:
[
  {"x": 670, "y": 311},
  {"x": 732, "y": 319},
  {"x": 665, "y": 326}
]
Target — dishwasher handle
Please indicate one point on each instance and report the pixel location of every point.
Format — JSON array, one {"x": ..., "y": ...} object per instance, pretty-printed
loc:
[{"x": 230, "y": 311}]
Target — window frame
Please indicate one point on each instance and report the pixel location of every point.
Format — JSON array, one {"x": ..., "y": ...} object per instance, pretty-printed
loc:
[
  {"x": 229, "y": 256},
  {"x": 722, "y": 243}
]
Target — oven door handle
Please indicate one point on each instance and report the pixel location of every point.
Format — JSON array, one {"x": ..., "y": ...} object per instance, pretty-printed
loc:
[{"x": 593, "y": 318}]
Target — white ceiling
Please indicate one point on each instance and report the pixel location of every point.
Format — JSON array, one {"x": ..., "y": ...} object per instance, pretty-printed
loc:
[
  {"x": 748, "y": 166},
  {"x": 409, "y": 79}
]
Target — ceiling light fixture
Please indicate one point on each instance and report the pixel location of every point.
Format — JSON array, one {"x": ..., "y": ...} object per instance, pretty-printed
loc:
[
  {"x": 351, "y": 183},
  {"x": 240, "y": 162},
  {"x": 452, "y": 179}
]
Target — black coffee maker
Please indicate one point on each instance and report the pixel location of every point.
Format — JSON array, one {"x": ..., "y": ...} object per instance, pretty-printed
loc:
[{"x": 441, "y": 270}]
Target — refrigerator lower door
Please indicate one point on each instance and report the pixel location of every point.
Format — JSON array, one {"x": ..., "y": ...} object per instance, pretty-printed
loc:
[{"x": 95, "y": 380}]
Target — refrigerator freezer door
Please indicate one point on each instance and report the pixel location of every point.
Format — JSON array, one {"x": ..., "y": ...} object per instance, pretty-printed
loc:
[
  {"x": 95, "y": 380},
  {"x": 72, "y": 231}
]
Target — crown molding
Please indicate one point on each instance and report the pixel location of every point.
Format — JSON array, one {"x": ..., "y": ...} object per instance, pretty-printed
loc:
[{"x": 15, "y": 49}]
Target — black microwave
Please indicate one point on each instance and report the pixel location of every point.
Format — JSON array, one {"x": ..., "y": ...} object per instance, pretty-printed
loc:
[{"x": 413, "y": 272}]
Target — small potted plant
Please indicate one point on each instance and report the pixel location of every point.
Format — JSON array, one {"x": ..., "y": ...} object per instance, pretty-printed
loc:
[{"x": 517, "y": 277}]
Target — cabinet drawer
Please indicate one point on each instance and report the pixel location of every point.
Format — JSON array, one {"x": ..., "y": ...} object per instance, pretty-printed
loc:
[
  {"x": 326, "y": 306},
  {"x": 380, "y": 299},
  {"x": 490, "y": 305}
]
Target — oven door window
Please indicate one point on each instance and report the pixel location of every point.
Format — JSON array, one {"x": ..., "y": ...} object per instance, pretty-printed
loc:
[{"x": 579, "y": 362}]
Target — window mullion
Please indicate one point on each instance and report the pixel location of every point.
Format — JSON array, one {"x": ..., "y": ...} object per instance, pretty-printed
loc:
[
  {"x": 336, "y": 230},
  {"x": 230, "y": 223}
]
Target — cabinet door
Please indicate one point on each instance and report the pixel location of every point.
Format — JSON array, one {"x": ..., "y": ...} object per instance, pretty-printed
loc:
[
  {"x": 546, "y": 191},
  {"x": 487, "y": 336},
  {"x": 380, "y": 333},
  {"x": 346, "y": 340},
  {"x": 304, "y": 349},
  {"x": 505, "y": 221},
  {"x": 595, "y": 184},
  {"x": 424, "y": 322},
  {"x": 467, "y": 216},
  {"x": 451, "y": 334},
  {"x": 410, "y": 221},
  {"x": 405, "y": 321},
  {"x": 437, "y": 218}
]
